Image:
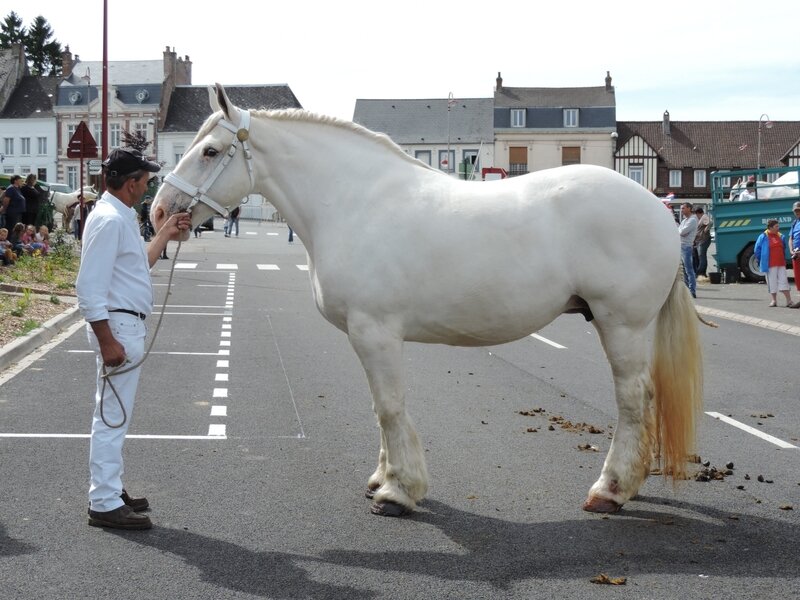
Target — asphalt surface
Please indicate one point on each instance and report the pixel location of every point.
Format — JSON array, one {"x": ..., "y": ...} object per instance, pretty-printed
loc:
[{"x": 274, "y": 507}]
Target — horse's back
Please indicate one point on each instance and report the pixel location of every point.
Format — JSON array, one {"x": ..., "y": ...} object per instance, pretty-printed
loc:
[{"x": 474, "y": 263}]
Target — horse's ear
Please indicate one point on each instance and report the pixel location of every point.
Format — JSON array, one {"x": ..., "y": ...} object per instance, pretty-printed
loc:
[
  {"x": 219, "y": 101},
  {"x": 212, "y": 99}
]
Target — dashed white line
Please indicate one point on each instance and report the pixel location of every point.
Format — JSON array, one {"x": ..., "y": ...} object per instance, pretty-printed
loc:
[
  {"x": 219, "y": 411},
  {"x": 303, "y": 267},
  {"x": 268, "y": 267},
  {"x": 227, "y": 267},
  {"x": 546, "y": 341},
  {"x": 216, "y": 430},
  {"x": 221, "y": 377}
]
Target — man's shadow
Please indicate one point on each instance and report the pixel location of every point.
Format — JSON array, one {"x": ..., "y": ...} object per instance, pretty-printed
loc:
[
  {"x": 11, "y": 547},
  {"x": 221, "y": 563}
]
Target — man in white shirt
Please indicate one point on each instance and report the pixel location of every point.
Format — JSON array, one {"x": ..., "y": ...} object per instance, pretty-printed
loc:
[
  {"x": 749, "y": 192},
  {"x": 115, "y": 296}
]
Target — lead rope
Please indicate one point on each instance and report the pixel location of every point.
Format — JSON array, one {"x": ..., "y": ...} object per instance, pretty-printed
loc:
[{"x": 119, "y": 370}]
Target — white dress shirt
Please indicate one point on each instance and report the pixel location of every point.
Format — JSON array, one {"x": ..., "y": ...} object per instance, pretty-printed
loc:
[{"x": 115, "y": 270}]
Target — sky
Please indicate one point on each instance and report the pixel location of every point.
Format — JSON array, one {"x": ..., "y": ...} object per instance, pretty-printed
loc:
[{"x": 698, "y": 59}]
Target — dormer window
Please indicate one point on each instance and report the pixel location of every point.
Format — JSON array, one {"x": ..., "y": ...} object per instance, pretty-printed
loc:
[
  {"x": 518, "y": 117},
  {"x": 75, "y": 97},
  {"x": 570, "y": 117}
]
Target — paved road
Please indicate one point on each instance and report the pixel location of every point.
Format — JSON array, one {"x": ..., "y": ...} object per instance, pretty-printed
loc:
[{"x": 253, "y": 440}]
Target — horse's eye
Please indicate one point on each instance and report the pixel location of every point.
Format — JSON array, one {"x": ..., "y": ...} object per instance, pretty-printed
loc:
[{"x": 210, "y": 152}]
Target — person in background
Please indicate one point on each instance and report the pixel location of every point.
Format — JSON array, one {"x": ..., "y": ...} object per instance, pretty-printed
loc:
[
  {"x": 233, "y": 220},
  {"x": 14, "y": 202},
  {"x": 115, "y": 296},
  {"x": 702, "y": 241},
  {"x": 17, "y": 244},
  {"x": 688, "y": 231},
  {"x": 32, "y": 200},
  {"x": 749, "y": 192},
  {"x": 771, "y": 252},
  {"x": 794, "y": 248},
  {"x": 6, "y": 248}
]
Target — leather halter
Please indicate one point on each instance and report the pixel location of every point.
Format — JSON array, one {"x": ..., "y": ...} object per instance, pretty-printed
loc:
[{"x": 200, "y": 193}]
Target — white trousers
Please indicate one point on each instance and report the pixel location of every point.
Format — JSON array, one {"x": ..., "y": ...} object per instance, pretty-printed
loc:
[{"x": 105, "y": 449}]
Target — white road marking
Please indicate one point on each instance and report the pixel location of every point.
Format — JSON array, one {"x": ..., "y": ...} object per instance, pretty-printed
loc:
[
  {"x": 268, "y": 267},
  {"x": 303, "y": 267},
  {"x": 227, "y": 266},
  {"x": 225, "y": 334},
  {"x": 226, "y": 325},
  {"x": 251, "y": 233},
  {"x": 546, "y": 341},
  {"x": 221, "y": 377},
  {"x": 220, "y": 393},
  {"x": 225, "y": 343},
  {"x": 272, "y": 233},
  {"x": 223, "y": 352},
  {"x": 754, "y": 321},
  {"x": 222, "y": 364},
  {"x": 28, "y": 360},
  {"x": 219, "y": 410},
  {"x": 216, "y": 430},
  {"x": 764, "y": 436},
  {"x": 129, "y": 436}
]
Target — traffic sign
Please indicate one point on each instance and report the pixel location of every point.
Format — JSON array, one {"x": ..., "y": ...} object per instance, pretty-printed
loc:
[
  {"x": 82, "y": 144},
  {"x": 95, "y": 166}
]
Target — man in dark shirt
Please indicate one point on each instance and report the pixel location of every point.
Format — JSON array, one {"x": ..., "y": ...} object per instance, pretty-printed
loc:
[
  {"x": 14, "y": 202},
  {"x": 32, "y": 201}
]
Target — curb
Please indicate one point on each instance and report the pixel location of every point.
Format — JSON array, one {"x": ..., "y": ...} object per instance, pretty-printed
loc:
[{"x": 20, "y": 348}]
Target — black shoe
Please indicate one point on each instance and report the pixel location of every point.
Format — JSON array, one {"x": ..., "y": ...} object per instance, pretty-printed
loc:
[
  {"x": 119, "y": 518},
  {"x": 137, "y": 504}
]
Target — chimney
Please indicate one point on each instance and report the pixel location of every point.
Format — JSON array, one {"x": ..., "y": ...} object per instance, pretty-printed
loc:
[
  {"x": 665, "y": 123},
  {"x": 170, "y": 59},
  {"x": 183, "y": 71},
  {"x": 499, "y": 82},
  {"x": 66, "y": 63},
  {"x": 608, "y": 81}
]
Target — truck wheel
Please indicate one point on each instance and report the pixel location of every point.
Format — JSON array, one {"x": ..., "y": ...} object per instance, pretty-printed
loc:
[{"x": 748, "y": 263}]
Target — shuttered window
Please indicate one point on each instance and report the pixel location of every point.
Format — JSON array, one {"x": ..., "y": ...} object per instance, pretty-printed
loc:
[
  {"x": 571, "y": 155},
  {"x": 517, "y": 161}
]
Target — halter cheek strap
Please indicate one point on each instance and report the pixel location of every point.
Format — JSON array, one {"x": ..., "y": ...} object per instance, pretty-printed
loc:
[{"x": 200, "y": 193}]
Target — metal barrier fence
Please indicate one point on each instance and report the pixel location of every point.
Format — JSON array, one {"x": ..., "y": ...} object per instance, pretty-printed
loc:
[{"x": 257, "y": 208}]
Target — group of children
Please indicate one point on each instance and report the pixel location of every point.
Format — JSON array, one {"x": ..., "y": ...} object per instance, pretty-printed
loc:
[{"x": 23, "y": 240}]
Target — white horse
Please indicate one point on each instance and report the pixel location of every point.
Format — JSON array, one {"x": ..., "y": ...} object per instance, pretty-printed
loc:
[
  {"x": 66, "y": 203},
  {"x": 783, "y": 187},
  {"x": 398, "y": 251}
]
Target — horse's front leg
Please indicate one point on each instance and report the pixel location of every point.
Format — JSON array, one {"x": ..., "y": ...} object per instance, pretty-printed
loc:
[{"x": 401, "y": 478}]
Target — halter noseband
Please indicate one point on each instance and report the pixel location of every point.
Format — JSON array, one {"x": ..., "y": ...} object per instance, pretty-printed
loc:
[{"x": 199, "y": 193}]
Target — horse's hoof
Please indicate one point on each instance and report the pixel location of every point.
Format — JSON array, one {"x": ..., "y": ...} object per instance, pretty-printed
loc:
[
  {"x": 370, "y": 493},
  {"x": 389, "y": 509},
  {"x": 601, "y": 505}
]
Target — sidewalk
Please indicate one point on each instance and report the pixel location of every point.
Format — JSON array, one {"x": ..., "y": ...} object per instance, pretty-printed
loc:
[{"x": 748, "y": 303}]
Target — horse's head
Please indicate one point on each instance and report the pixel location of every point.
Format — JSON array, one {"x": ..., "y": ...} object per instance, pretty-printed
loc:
[{"x": 216, "y": 173}]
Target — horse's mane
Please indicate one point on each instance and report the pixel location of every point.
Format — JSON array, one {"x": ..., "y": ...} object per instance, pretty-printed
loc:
[{"x": 294, "y": 114}]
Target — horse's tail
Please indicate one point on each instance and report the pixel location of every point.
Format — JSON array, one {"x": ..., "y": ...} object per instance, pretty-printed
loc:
[{"x": 677, "y": 373}]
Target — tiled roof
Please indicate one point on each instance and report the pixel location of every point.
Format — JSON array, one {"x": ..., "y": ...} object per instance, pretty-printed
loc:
[
  {"x": 409, "y": 121},
  {"x": 573, "y": 97},
  {"x": 33, "y": 98},
  {"x": 714, "y": 144},
  {"x": 189, "y": 107}
]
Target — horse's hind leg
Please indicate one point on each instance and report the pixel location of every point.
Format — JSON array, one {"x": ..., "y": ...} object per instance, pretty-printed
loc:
[
  {"x": 628, "y": 460},
  {"x": 401, "y": 478}
]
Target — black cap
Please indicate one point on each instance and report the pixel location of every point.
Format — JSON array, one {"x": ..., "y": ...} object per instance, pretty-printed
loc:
[{"x": 124, "y": 161}]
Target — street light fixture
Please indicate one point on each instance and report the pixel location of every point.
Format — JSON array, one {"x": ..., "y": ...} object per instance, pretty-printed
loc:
[{"x": 767, "y": 124}]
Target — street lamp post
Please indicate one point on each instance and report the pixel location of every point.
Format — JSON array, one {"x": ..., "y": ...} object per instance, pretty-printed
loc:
[{"x": 768, "y": 125}]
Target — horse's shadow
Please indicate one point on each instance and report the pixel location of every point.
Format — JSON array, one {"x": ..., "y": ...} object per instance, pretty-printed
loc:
[
  {"x": 692, "y": 539},
  {"x": 680, "y": 539}
]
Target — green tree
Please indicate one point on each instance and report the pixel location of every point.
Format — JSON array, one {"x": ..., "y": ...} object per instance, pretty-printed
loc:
[
  {"x": 11, "y": 31},
  {"x": 44, "y": 54}
]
